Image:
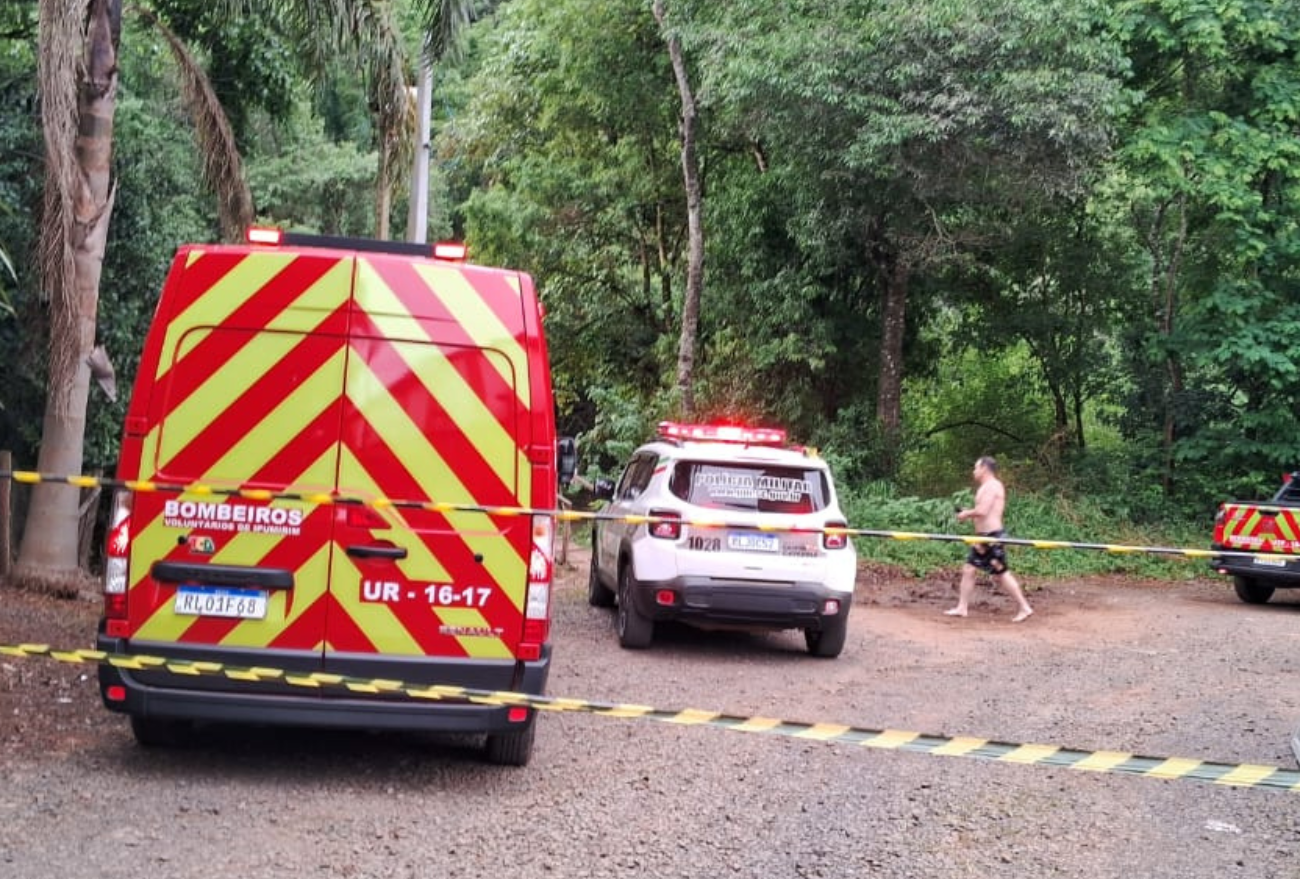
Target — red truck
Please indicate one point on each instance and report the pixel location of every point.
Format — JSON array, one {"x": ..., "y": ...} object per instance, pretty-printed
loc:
[{"x": 1270, "y": 530}]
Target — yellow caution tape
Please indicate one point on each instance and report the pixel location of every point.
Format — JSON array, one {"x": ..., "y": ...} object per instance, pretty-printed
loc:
[
  {"x": 319, "y": 498},
  {"x": 1115, "y": 762}
]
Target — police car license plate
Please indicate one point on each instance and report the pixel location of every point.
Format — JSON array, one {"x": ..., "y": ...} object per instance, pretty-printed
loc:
[
  {"x": 1270, "y": 562},
  {"x": 747, "y": 541},
  {"x": 213, "y": 601}
]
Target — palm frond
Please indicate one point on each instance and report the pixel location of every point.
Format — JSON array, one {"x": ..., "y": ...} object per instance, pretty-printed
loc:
[
  {"x": 445, "y": 24},
  {"x": 222, "y": 165}
]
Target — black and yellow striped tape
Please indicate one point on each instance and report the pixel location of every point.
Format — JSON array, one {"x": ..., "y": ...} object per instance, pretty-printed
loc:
[
  {"x": 1114, "y": 762},
  {"x": 326, "y": 498}
]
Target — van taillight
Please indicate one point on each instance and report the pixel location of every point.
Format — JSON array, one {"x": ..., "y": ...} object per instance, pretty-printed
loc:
[
  {"x": 669, "y": 526},
  {"x": 537, "y": 604},
  {"x": 832, "y": 538},
  {"x": 117, "y": 569}
]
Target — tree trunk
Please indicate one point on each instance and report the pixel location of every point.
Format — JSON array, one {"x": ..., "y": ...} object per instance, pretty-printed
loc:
[
  {"x": 1061, "y": 415},
  {"x": 73, "y": 243},
  {"x": 384, "y": 195},
  {"x": 1081, "y": 440},
  {"x": 694, "y": 223},
  {"x": 1174, "y": 366},
  {"x": 889, "y": 397}
]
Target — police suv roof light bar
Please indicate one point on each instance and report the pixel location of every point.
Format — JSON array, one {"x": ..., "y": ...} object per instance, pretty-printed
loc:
[{"x": 722, "y": 433}]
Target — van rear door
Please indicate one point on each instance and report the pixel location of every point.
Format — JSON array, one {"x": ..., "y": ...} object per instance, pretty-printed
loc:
[
  {"x": 245, "y": 396},
  {"x": 435, "y": 404}
]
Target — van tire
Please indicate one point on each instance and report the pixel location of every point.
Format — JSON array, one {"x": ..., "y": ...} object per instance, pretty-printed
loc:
[
  {"x": 156, "y": 732},
  {"x": 828, "y": 641},
  {"x": 1252, "y": 591},
  {"x": 598, "y": 594},
  {"x": 635, "y": 632},
  {"x": 511, "y": 748}
]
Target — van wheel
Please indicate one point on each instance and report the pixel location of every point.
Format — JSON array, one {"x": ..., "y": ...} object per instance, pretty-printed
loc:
[
  {"x": 511, "y": 748},
  {"x": 598, "y": 594},
  {"x": 634, "y": 630},
  {"x": 156, "y": 732},
  {"x": 828, "y": 641},
  {"x": 1251, "y": 591}
]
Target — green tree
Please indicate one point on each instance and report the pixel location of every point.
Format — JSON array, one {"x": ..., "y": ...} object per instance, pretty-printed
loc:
[
  {"x": 912, "y": 128},
  {"x": 1210, "y": 178},
  {"x": 694, "y": 190},
  {"x": 567, "y": 154}
]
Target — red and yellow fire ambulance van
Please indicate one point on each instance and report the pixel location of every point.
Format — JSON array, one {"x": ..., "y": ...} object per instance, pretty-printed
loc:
[{"x": 277, "y": 375}]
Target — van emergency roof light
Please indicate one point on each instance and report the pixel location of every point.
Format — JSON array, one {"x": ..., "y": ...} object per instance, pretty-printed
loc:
[
  {"x": 270, "y": 236},
  {"x": 450, "y": 250},
  {"x": 723, "y": 433},
  {"x": 263, "y": 235}
]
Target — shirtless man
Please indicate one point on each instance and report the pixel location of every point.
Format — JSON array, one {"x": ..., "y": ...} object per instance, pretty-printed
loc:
[{"x": 990, "y": 501}]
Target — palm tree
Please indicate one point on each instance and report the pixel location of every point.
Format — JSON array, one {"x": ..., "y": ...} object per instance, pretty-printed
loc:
[{"x": 77, "y": 79}]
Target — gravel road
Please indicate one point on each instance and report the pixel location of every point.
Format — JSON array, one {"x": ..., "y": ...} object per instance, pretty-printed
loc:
[{"x": 1160, "y": 669}]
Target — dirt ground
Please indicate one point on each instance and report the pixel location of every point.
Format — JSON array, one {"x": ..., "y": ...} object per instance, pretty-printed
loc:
[
  {"x": 54, "y": 706},
  {"x": 1175, "y": 670}
]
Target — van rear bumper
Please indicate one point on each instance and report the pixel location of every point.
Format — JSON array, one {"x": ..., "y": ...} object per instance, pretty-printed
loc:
[{"x": 216, "y": 698}]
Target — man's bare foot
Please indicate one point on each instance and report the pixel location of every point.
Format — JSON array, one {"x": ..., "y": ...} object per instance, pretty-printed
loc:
[
  {"x": 1023, "y": 615},
  {"x": 954, "y": 612}
]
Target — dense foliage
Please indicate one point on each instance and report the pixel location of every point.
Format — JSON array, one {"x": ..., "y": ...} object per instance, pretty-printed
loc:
[{"x": 1063, "y": 234}]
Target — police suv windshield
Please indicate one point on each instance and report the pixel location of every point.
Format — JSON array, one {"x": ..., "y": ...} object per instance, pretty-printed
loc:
[{"x": 751, "y": 488}]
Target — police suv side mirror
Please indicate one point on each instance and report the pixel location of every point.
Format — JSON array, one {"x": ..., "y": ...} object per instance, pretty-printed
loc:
[
  {"x": 604, "y": 489},
  {"x": 567, "y": 454}
]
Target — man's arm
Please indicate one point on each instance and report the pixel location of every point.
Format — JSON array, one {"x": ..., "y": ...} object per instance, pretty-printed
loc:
[{"x": 986, "y": 499}]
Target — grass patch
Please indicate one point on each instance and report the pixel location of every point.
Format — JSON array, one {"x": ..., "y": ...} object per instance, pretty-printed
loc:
[{"x": 1029, "y": 517}]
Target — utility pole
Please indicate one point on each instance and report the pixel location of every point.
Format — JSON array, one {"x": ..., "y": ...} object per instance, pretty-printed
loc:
[{"x": 417, "y": 222}]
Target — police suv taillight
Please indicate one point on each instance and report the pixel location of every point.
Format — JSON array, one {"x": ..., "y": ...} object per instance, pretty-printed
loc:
[
  {"x": 117, "y": 566},
  {"x": 665, "y": 524},
  {"x": 537, "y": 604},
  {"x": 833, "y": 537}
]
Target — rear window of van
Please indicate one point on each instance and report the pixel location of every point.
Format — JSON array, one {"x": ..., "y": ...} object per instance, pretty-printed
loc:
[{"x": 751, "y": 488}]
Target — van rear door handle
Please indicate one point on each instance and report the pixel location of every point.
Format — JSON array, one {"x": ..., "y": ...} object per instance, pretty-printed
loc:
[{"x": 371, "y": 551}]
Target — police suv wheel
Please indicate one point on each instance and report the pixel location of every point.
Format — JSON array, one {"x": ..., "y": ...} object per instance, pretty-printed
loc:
[
  {"x": 598, "y": 594},
  {"x": 634, "y": 630},
  {"x": 1251, "y": 591},
  {"x": 828, "y": 641}
]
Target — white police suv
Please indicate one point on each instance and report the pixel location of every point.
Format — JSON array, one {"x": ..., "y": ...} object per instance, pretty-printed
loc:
[{"x": 721, "y": 526}]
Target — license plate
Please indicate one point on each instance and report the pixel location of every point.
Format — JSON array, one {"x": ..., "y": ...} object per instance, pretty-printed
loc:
[
  {"x": 1270, "y": 562},
  {"x": 746, "y": 541},
  {"x": 215, "y": 601}
]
